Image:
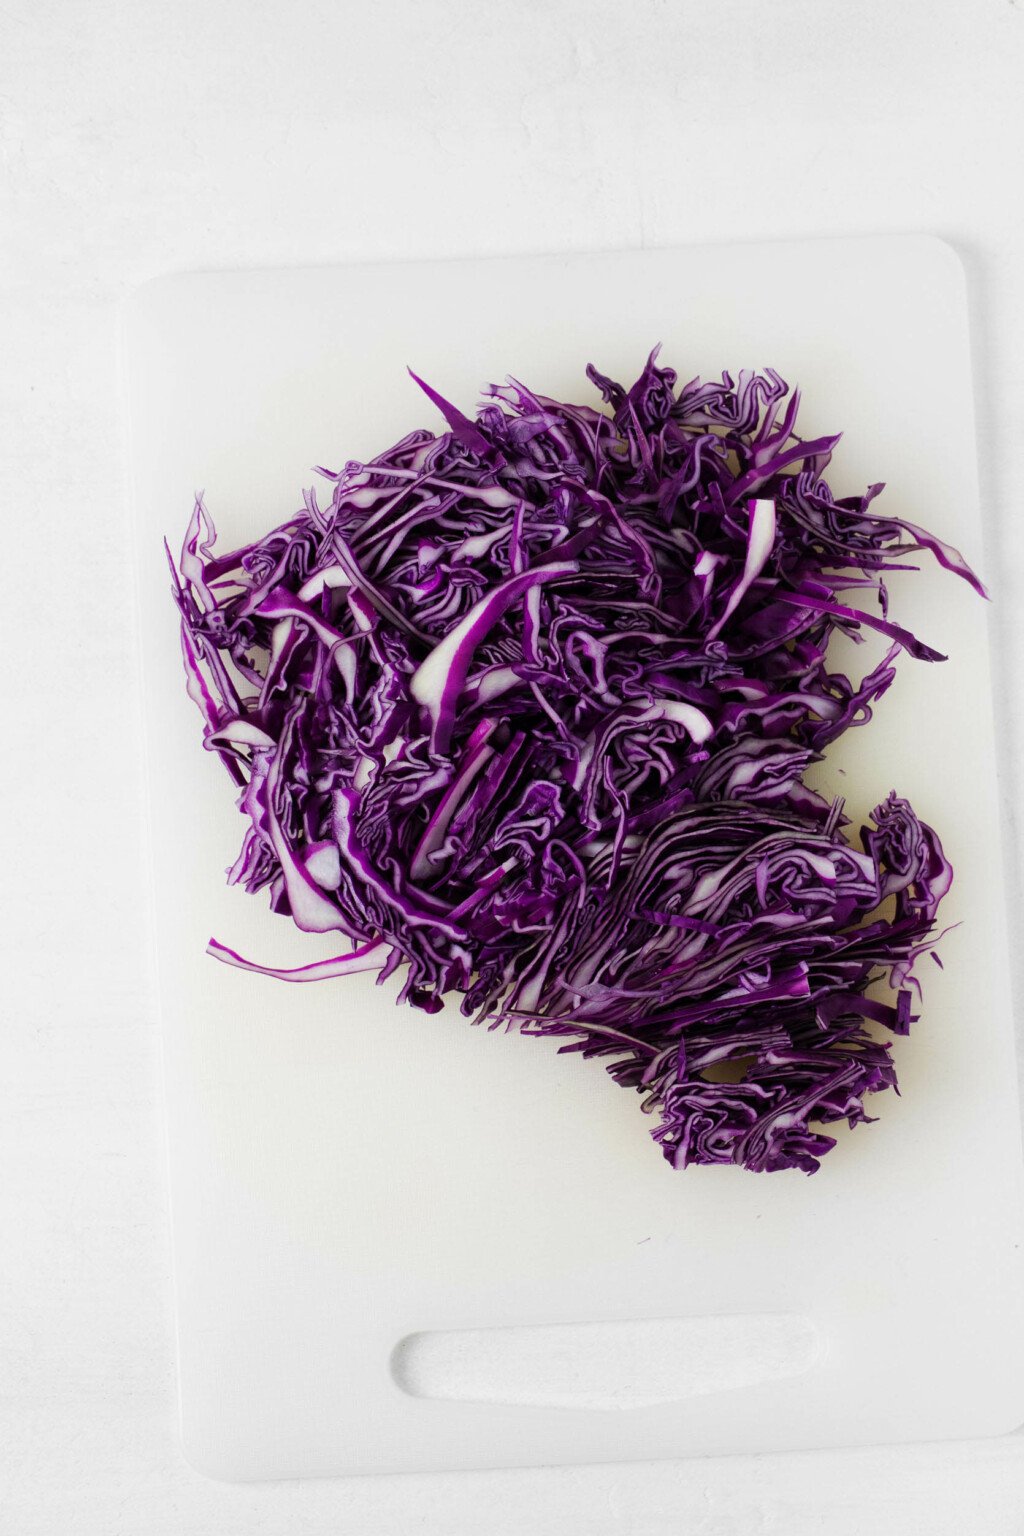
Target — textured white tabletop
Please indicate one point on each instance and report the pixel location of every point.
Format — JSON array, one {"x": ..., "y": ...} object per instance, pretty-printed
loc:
[{"x": 142, "y": 138}]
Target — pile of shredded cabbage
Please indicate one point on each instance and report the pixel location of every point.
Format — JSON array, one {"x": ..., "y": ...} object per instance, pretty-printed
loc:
[{"x": 525, "y": 713}]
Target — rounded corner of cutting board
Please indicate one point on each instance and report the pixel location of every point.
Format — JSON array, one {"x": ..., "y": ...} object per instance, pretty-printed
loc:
[
  {"x": 204, "y": 1459},
  {"x": 158, "y": 298},
  {"x": 948, "y": 259}
]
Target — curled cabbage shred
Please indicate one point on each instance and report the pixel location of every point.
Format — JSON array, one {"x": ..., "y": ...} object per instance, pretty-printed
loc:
[{"x": 524, "y": 712}]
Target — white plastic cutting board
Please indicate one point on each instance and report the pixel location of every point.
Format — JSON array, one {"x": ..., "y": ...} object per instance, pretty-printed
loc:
[{"x": 347, "y": 1175}]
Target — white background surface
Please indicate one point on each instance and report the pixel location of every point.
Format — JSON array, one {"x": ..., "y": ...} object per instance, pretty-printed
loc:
[{"x": 139, "y": 138}]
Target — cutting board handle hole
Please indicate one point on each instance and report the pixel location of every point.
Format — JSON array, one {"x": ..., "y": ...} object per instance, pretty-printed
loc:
[{"x": 606, "y": 1366}]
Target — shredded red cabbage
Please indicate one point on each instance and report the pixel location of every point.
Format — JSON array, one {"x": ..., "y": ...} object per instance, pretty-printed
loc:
[{"x": 527, "y": 711}]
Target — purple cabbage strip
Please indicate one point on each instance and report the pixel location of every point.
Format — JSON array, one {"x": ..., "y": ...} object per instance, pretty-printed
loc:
[{"x": 526, "y": 713}]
